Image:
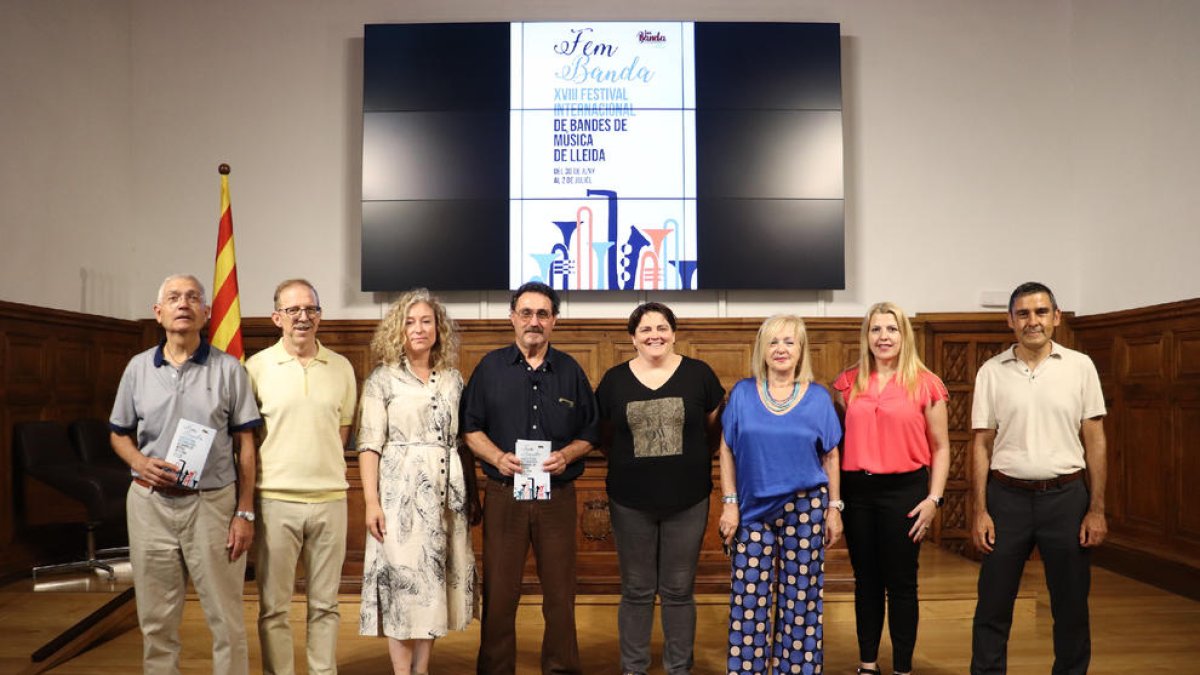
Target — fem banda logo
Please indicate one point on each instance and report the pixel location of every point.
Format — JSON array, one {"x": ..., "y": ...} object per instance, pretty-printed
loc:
[{"x": 652, "y": 37}]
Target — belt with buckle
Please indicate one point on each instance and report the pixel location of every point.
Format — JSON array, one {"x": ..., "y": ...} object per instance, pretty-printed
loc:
[
  {"x": 1036, "y": 485},
  {"x": 170, "y": 491}
]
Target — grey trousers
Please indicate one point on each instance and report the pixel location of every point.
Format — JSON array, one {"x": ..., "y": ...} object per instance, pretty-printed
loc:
[{"x": 657, "y": 556}]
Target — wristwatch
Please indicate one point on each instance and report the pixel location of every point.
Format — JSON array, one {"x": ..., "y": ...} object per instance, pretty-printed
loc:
[
  {"x": 247, "y": 516},
  {"x": 837, "y": 504},
  {"x": 937, "y": 501},
  {"x": 729, "y": 499}
]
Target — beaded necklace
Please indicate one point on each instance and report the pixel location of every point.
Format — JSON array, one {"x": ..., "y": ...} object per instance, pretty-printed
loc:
[{"x": 779, "y": 406}]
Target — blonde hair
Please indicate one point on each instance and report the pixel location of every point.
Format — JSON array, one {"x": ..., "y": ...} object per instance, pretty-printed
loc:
[
  {"x": 769, "y": 328},
  {"x": 908, "y": 366},
  {"x": 387, "y": 345}
]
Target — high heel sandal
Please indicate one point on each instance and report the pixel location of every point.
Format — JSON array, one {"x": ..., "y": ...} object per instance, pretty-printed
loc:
[{"x": 867, "y": 671}]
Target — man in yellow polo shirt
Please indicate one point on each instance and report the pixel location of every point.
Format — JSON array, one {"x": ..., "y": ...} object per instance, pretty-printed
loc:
[{"x": 306, "y": 394}]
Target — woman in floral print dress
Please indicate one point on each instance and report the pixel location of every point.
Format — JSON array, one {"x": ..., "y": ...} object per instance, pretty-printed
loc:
[{"x": 419, "y": 569}]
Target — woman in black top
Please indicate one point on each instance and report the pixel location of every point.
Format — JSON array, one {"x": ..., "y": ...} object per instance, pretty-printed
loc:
[{"x": 657, "y": 410}]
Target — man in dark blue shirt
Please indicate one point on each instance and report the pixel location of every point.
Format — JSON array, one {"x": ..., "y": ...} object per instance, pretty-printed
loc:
[{"x": 529, "y": 391}]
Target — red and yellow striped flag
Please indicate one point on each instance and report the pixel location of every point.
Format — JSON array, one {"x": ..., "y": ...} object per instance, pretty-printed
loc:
[{"x": 226, "y": 323}]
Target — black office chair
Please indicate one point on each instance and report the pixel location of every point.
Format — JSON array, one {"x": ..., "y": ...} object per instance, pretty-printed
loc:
[
  {"x": 44, "y": 452},
  {"x": 90, "y": 439}
]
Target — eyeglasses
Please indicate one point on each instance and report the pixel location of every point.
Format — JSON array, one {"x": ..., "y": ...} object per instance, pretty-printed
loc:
[
  {"x": 295, "y": 312},
  {"x": 527, "y": 314},
  {"x": 191, "y": 298}
]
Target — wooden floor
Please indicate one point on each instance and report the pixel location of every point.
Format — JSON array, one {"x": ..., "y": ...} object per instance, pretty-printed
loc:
[{"x": 1135, "y": 629}]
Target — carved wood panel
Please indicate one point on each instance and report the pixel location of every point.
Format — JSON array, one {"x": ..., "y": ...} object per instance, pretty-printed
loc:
[
  {"x": 1144, "y": 357},
  {"x": 956, "y": 345}
]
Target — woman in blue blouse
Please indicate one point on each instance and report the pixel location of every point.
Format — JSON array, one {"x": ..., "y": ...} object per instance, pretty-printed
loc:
[{"x": 779, "y": 476}]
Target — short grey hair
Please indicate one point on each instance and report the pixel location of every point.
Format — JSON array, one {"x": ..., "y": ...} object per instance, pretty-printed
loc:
[{"x": 162, "y": 288}]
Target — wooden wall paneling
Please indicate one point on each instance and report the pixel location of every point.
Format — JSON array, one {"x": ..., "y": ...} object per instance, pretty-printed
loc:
[
  {"x": 27, "y": 365},
  {"x": 1183, "y": 481},
  {"x": 622, "y": 352},
  {"x": 729, "y": 359},
  {"x": 1186, "y": 394},
  {"x": 1144, "y": 358},
  {"x": 111, "y": 359},
  {"x": 1103, "y": 353},
  {"x": 1186, "y": 359},
  {"x": 955, "y": 346},
  {"x": 587, "y": 354},
  {"x": 1144, "y": 459},
  {"x": 356, "y": 527},
  {"x": 72, "y": 367},
  {"x": 1149, "y": 363},
  {"x": 1146, "y": 432},
  {"x": 54, "y": 365}
]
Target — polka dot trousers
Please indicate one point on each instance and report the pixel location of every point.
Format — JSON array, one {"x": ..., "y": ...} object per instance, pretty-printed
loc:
[{"x": 775, "y": 600}]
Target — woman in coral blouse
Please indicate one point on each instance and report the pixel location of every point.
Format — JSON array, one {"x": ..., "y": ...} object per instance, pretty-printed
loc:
[{"x": 896, "y": 456}]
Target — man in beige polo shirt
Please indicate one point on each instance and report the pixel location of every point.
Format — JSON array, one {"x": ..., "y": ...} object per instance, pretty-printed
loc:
[
  {"x": 1033, "y": 402},
  {"x": 306, "y": 394}
]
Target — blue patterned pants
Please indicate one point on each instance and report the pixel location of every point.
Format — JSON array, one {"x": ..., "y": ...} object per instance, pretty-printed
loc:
[{"x": 775, "y": 600}]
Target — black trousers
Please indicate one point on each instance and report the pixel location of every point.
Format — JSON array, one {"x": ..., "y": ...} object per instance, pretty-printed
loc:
[
  {"x": 885, "y": 559},
  {"x": 1049, "y": 520}
]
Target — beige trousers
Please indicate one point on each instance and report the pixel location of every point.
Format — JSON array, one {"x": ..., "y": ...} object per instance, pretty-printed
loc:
[
  {"x": 289, "y": 532},
  {"x": 170, "y": 539}
]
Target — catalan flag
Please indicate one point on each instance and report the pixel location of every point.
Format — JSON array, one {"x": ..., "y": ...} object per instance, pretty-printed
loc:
[{"x": 226, "y": 324}]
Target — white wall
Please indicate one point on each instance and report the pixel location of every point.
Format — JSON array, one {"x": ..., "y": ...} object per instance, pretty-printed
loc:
[
  {"x": 980, "y": 148},
  {"x": 65, "y": 151},
  {"x": 1137, "y": 151}
]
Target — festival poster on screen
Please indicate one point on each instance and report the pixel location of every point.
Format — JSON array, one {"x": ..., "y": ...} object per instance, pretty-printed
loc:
[{"x": 603, "y": 155}]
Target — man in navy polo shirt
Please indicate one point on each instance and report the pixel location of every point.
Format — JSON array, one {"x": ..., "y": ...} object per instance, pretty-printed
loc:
[
  {"x": 192, "y": 517},
  {"x": 533, "y": 392}
]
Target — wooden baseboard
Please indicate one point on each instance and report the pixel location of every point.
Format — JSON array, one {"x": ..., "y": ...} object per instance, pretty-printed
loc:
[{"x": 1167, "y": 574}]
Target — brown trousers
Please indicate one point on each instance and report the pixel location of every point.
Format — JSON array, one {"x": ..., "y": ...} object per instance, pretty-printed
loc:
[{"x": 509, "y": 526}]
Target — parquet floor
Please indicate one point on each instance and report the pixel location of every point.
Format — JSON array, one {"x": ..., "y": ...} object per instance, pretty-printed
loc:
[{"x": 1135, "y": 629}]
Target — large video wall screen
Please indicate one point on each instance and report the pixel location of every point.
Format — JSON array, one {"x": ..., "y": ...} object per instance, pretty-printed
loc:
[{"x": 602, "y": 156}]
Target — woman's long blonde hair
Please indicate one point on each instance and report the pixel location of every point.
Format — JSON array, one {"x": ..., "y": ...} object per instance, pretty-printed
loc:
[
  {"x": 908, "y": 367},
  {"x": 387, "y": 345},
  {"x": 758, "y": 360}
]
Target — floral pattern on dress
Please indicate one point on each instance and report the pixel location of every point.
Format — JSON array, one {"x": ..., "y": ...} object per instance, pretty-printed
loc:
[{"x": 420, "y": 581}]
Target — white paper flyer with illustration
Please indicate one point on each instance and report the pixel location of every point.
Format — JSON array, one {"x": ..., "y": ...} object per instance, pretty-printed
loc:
[
  {"x": 189, "y": 451},
  {"x": 533, "y": 483}
]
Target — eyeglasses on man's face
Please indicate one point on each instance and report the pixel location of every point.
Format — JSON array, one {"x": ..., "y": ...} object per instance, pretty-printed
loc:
[
  {"x": 295, "y": 312},
  {"x": 527, "y": 314}
]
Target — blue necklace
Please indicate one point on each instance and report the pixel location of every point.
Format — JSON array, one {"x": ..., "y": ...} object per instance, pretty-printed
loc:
[{"x": 779, "y": 406}]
